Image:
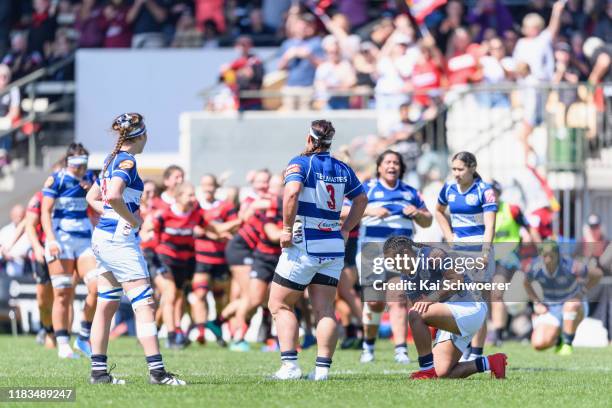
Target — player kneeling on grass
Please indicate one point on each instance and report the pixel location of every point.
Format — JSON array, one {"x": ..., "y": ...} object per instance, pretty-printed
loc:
[
  {"x": 564, "y": 282},
  {"x": 116, "y": 246},
  {"x": 456, "y": 315}
]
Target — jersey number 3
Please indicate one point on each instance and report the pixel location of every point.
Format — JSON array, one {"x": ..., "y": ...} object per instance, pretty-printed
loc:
[{"x": 331, "y": 203}]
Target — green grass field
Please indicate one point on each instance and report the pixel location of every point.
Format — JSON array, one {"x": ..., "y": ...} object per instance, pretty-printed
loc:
[{"x": 220, "y": 378}]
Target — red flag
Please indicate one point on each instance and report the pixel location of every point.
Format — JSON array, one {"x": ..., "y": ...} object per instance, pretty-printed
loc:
[{"x": 422, "y": 8}]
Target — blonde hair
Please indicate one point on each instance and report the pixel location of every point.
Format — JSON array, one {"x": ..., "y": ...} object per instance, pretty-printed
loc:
[{"x": 534, "y": 20}]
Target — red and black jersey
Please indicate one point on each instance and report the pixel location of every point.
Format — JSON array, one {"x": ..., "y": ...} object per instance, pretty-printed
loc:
[
  {"x": 249, "y": 231},
  {"x": 34, "y": 206},
  {"x": 272, "y": 215},
  {"x": 175, "y": 231},
  {"x": 210, "y": 251},
  {"x": 156, "y": 206}
]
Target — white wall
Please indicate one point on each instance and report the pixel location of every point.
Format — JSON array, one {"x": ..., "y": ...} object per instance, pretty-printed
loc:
[{"x": 160, "y": 84}]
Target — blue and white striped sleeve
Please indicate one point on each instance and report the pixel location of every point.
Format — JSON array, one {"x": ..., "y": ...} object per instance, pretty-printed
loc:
[
  {"x": 296, "y": 170},
  {"x": 442, "y": 198},
  {"x": 353, "y": 185},
  {"x": 124, "y": 168},
  {"x": 51, "y": 187}
]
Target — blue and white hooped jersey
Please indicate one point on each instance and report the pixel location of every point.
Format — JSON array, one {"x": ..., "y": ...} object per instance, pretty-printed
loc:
[
  {"x": 111, "y": 226},
  {"x": 375, "y": 229},
  {"x": 70, "y": 208},
  {"x": 564, "y": 284},
  {"x": 467, "y": 209},
  {"x": 326, "y": 181}
]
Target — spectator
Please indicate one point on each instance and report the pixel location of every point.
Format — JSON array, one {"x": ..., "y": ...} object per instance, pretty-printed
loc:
[
  {"x": 13, "y": 249},
  {"x": 603, "y": 27},
  {"x": 382, "y": 31},
  {"x": 176, "y": 10},
  {"x": 427, "y": 77},
  {"x": 117, "y": 29},
  {"x": 454, "y": 19},
  {"x": 539, "y": 7},
  {"x": 394, "y": 68},
  {"x": 510, "y": 39},
  {"x": 333, "y": 74},
  {"x": 536, "y": 47},
  {"x": 261, "y": 33},
  {"x": 600, "y": 58},
  {"x": 211, "y": 34},
  {"x": 273, "y": 12},
  {"x": 42, "y": 30},
  {"x": 118, "y": 32},
  {"x": 578, "y": 57},
  {"x": 245, "y": 74},
  {"x": 210, "y": 10},
  {"x": 10, "y": 103},
  {"x": 573, "y": 18},
  {"x": 186, "y": 34},
  {"x": 147, "y": 18},
  {"x": 65, "y": 15},
  {"x": 533, "y": 111},
  {"x": 408, "y": 143},
  {"x": 365, "y": 64},
  {"x": 89, "y": 25},
  {"x": 19, "y": 59},
  {"x": 496, "y": 69},
  {"x": 565, "y": 73},
  {"x": 62, "y": 48},
  {"x": 340, "y": 27},
  {"x": 301, "y": 54},
  {"x": 463, "y": 66},
  {"x": 489, "y": 14}
]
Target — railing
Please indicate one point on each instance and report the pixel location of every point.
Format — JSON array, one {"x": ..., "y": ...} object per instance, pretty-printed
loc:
[{"x": 34, "y": 85}]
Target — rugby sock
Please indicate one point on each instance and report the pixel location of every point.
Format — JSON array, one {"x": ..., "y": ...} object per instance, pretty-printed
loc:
[
  {"x": 426, "y": 362},
  {"x": 289, "y": 357},
  {"x": 155, "y": 363},
  {"x": 482, "y": 364},
  {"x": 62, "y": 337},
  {"x": 559, "y": 340},
  {"x": 401, "y": 348},
  {"x": 322, "y": 366},
  {"x": 476, "y": 351},
  {"x": 368, "y": 344},
  {"x": 48, "y": 329},
  {"x": 350, "y": 330},
  {"x": 567, "y": 338},
  {"x": 85, "y": 330},
  {"x": 98, "y": 365},
  {"x": 171, "y": 337}
]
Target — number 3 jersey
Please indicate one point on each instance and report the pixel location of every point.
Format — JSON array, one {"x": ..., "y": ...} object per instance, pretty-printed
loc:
[
  {"x": 326, "y": 181},
  {"x": 111, "y": 226}
]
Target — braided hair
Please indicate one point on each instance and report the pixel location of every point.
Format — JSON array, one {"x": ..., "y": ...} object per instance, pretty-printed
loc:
[{"x": 123, "y": 125}]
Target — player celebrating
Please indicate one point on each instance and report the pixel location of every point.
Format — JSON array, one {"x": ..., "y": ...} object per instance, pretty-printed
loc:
[
  {"x": 115, "y": 244},
  {"x": 212, "y": 272},
  {"x": 313, "y": 246},
  {"x": 455, "y": 314},
  {"x": 68, "y": 247},
  {"x": 564, "y": 282},
  {"x": 472, "y": 206},
  {"x": 392, "y": 207}
]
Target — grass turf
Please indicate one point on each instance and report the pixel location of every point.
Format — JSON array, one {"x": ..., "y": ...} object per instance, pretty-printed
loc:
[{"x": 220, "y": 378}]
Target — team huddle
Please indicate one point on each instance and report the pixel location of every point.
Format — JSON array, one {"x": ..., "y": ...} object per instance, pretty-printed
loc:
[{"x": 294, "y": 247}]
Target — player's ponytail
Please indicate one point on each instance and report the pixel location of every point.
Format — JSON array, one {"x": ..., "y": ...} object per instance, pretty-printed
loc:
[{"x": 469, "y": 160}]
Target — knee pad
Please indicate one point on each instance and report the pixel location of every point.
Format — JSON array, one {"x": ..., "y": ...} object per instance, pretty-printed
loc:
[
  {"x": 91, "y": 276},
  {"x": 110, "y": 293},
  {"x": 570, "y": 315},
  {"x": 369, "y": 317},
  {"x": 148, "y": 329},
  {"x": 140, "y": 296},
  {"x": 61, "y": 281}
]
